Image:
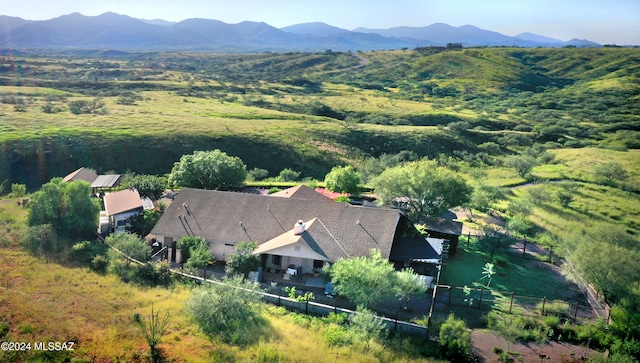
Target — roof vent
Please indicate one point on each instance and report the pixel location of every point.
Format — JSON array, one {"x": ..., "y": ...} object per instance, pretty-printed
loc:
[{"x": 298, "y": 228}]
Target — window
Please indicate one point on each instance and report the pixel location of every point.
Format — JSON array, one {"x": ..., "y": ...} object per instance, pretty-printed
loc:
[{"x": 317, "y": 264}]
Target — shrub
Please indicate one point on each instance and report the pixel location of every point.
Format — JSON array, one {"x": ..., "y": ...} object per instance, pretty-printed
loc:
[
  {"x": 95, "y": 106},
  {"x": 558, "y": 308},
  {"x": 4, "y": 329},
  {"x": 288, "y": 175},
  {"x": 18, "y": 190},
  {"x": 455, "y": 339},
  {"x": 227, "y": 310},
  {"x": 27, "y": 329},
  {"x": 366, "y": 325},
  {"x": 337, "y": 336},
  {"x": 336, "y": 318},
  {"x": 99, "y": 264}
]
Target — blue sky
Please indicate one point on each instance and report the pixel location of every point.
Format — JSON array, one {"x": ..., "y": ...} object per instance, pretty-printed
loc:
[{"x": 602, "y": 21}]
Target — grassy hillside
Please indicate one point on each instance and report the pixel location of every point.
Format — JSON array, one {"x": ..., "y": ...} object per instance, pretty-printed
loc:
[{"x": 310, "y": 111}]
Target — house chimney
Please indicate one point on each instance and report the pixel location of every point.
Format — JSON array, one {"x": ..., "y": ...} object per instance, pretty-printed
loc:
[{"x": 298, "y": 228}]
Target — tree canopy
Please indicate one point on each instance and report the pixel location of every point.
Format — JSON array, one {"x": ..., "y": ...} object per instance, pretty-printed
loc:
[
  {"x": 522, "y": 164},
  {"x": 148, "y": 186},
  {"x": 342, "y": 179},
  {"x": 369, "y": 280},
  {"x": 209, "y": 170},
  {"x": 422, "y": 188},
  {"x": 610, "y": 172},
  {"x": 68, "y": 207}
]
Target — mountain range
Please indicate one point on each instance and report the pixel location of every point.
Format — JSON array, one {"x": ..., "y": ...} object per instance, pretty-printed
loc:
[{"x": 115, "y": 31}]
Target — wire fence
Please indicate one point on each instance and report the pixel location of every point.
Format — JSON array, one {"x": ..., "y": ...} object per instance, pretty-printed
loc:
[
  {"x": 527, "y": 249},
  {"x": 472, "y": 298},
  {"x": 509, "y": 302},
  {"x": 306, "y": 307}
]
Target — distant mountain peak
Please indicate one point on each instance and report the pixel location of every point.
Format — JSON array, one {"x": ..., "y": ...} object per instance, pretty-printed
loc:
[
  {"x": 121, "y": 32},
  {"x": 538, "y": 38},
  {"x": 314, "y": 29}
]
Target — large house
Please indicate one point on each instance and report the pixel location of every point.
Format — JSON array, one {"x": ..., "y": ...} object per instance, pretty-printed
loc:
[{"x": 298, "y": 227}]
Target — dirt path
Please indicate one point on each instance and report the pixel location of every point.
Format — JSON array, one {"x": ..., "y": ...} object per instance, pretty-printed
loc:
[{"x": 484, "y": 343}]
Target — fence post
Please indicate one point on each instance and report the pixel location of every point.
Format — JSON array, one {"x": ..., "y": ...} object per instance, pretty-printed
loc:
[
  {"x": 511, "y": 302},
  {"x": 575, "y": 314},
  {"x": 480, "y": 300},
  {"x": 395, "y": 326},
  {"x": 204, "y": 273},
  {"x": 306, "y": 307},
  {"x": 544, "y": 302},
  {"x": 279, "y": 290},
  {"x": 468, "y": 238},
  {"x": 335, "y": 304},
  {"x": 450, "y": 292},
  {"x": 551, "y": 255},
  {"x": 524, "y": 248}
]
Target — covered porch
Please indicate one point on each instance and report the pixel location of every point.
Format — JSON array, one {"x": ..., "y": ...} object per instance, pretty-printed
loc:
[{"x": 292, "y": 256}]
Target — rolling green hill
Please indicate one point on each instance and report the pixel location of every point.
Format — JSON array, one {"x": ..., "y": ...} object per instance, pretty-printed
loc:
[{"x": 310, "y": 111}]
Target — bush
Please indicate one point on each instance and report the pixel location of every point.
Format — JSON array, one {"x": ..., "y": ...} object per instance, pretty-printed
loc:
[
  {"x": 100, "y": 263},
  {"x": 228, "y": 311},
  {"x": 336, "y": 318},
  {"x": 366, "y": 325},
  {"x": 288, "y": 175},
  {"x": 95, "y": 106},
  {"x": 337, "y": 336},
  {"x": 558, "y": 308},
  {"x": 18, "y": 190},
  {"x": 4, "y": 329},
  {"x": 455, "y": 339}
]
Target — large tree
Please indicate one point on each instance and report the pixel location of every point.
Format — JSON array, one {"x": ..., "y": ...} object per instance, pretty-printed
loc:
[
  {"x": 422, "y": 188},
  {"x": 522, "y": 164},
  {"x": 343, "y": 179},
  {"x": 370, "y": 280},
  {"x": 148, "y": 186},
  {"x": 68, "y": 207},
  {"x": 209, "y": 170},
  {"x": 610, "y": 172}
]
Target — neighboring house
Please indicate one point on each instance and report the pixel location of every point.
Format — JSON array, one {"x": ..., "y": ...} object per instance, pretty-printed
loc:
[
  {"x": 98, "y": 182},
  {"x": 85, "y": 174},
  {"x": 292, "y": 228},
  {"x": 119, "y": 206}
]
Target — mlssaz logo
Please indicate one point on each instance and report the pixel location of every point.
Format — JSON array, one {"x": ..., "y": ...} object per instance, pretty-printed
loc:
[{"x": 53, "y": 346}]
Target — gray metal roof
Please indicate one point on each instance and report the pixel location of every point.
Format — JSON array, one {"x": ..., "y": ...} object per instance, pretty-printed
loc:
[
  {"x": 228, "y": 217},
  {"x": 106, "y": 181}
]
